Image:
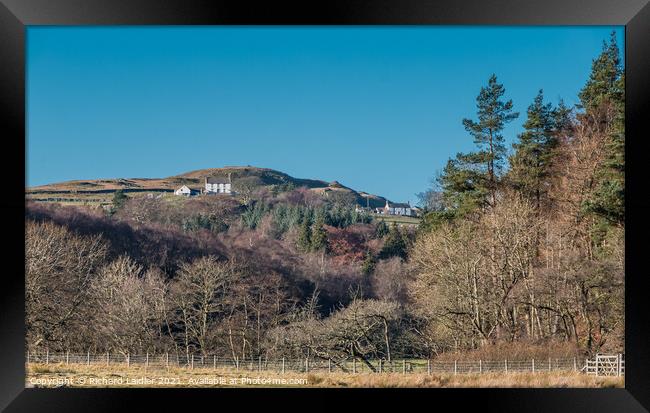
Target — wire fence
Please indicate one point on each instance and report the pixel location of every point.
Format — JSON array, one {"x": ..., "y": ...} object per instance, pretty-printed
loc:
[{"x": 284, "y": 365}]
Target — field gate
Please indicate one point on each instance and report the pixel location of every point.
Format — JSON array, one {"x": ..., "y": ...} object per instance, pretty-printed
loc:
[{"x": 606, "y": 365}]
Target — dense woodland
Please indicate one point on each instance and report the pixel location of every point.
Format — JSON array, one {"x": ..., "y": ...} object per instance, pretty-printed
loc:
[{"x": 520, "y": 248}]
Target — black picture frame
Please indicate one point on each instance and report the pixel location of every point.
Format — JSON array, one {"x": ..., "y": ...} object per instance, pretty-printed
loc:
[{"x": 15, "y": 15}]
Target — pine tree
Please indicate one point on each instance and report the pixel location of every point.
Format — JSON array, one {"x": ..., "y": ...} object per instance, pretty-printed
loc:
[
  {"x": 563, "y": 119},
  {"x": 381, "y": 229},
  {"x": 304, "y": 235},
  {"x": 119, "y": 199},
  {"x": 603, "y": 99},
  {"x": 470, "y": 179},
  {"x": 531, "y": 162},
  {"x": 319, "y": 240},
  {"x": 604, "y": 80},
  {"x": 493, "y": 114},
  {"x": 395, "y": 245},
  {"x": 369, "y": 264},
  {"x": 464, "y": 185}
]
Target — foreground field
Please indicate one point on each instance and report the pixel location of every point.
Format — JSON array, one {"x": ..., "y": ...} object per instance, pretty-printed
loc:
[{"x": 78, "y": 375}]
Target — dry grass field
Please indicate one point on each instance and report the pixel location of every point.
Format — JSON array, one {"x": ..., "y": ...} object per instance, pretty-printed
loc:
[{"x": 79, "y": 375}]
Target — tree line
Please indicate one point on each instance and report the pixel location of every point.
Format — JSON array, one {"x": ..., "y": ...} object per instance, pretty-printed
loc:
[{"x": 534, "y": 251}]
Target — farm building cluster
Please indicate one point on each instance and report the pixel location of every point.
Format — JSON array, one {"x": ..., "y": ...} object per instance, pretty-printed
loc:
[
  {"x": 212, "y": 185},
  {"x": 393, "y": 208},
  {"x": 397, "y": 209},
  {"x": 217, "y": 185}
]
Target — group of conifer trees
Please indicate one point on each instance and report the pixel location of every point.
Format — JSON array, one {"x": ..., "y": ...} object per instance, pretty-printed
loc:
[{"x": 540, "y": 226}]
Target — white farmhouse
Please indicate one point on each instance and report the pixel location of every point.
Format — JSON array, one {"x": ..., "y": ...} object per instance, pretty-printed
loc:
[
  {"x": 185, "y": 191},
  {"x": 396, "y": 209},
  {"x": 218, "y": 185}
]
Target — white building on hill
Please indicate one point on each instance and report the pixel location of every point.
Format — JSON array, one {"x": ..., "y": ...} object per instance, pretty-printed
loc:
[
  {"x": 186, "y": 191},
  {"x": 396, "y": 209},
  {"x": 218, "y": 185}
]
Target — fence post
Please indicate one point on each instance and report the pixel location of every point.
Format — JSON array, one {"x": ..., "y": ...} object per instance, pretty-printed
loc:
[
  {"x": 329, "y": 365},
  {"x": 618, "y": 364},
  {"x": 455, "y": 367},
  {"x": 128, "y": 360},
  {"x": 237, "y": 363},
  {"x": 354, "y": 365},
  {"x": 192, "y": 366},
  {"x": 306, "y": 364},
  {"x": 480, "y": 366},
  {"x": 380, "y": 365},
  {"x": 575, "y": 365},
  {"x": 506, "y": 364},
  {"x": 259, "y": 363},
  {"x": 146, "y": 362},
  {"x": 282, "y": 365},
  {"x": 596, "y": 364},
  {"x": 88, "y": 358},
  {"x": 47, "y": 356},
  {"x": 167, "y": 360},
  {"x": 214, "y": 362},
  {"x": 533, "y": 365},
  {"x": 67, "y": 357},
  {"x": 403, "y": 366}
]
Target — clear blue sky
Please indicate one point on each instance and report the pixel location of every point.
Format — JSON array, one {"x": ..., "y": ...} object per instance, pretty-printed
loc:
[{"x": 377, "y": 108}]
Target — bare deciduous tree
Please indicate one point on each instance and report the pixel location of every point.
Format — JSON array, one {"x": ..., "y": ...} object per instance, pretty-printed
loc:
[
  {"x": 59, "y": 267},
  {"x": 199, "y": 295},
  {"x": 128, "y": 306}
]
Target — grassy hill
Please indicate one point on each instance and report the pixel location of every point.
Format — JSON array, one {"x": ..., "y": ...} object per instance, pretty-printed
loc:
[
  {"x": 268, "y": 177},
  {"x": 100, "y": 191}
]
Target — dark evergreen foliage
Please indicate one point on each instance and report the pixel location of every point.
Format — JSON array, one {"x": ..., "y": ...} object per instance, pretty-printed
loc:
[
  {"x": 395, "y": 245},
  {"x": 530, "y": 165},
  {"x": 470, "y": 180}
]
